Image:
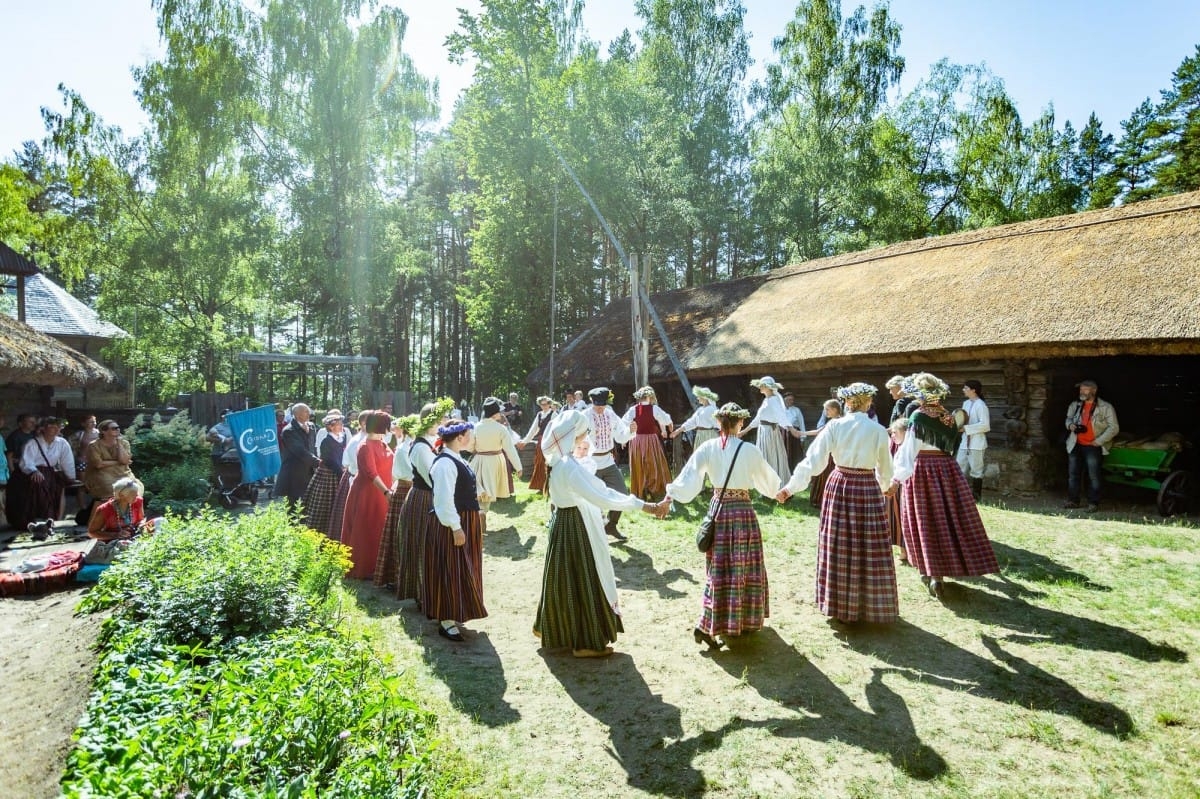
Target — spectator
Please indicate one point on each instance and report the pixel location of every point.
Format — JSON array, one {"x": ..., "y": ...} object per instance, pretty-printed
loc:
[
  {"x": 122, "y": 515},
  {"x": 513, "y": 414},
  {"x": 48, "y": 463},
  {"x": 220, "y": 435},
  {"x": 974, "y": 440},
  {"x": 108, "y": 460},
  {"x": 297, "y": 454},
  {"x": 1091, "y": 427},
  {"x": 17, "y": 500}
]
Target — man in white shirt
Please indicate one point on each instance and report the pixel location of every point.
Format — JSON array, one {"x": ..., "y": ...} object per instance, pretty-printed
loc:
[
  {"x": 974, "y": 438},
  {"x": 795, "y": 438},
  {"x": 608, "y": 430}
]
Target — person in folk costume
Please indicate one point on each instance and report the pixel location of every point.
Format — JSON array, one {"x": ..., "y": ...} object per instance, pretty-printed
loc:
[
  {"x": 607, "y": 431},
  {"x": 943, "y": 533},
  {"x": 702, "y": 420},
  {"x": 454, "y": 552},
  {"x": 49, "y": 465},
  {"x": 648, "y": 470},
  {"x": 323, "y": 487},
  {"x": 856, "y": 578},
  {"x": 298, "y": 459},
  {"x": 901, "y": 401},
  {"x": 367, "y": 502},
  {"x": 975, "y": 428},
  {"x": 830, "y": 409},
  {"x": 773, "y": 424},
  {"x": 417, "y": 522},
  {"x": 496, "y": 457},
  {"x": 897, "y": 431},
  {"x": 537, "y": 431},
  {"x": 337, "y": 516},
  {"x": 736, "y": 596},
  {"x": 578, "y": 608},
  {"x": 387, "y": 567}
]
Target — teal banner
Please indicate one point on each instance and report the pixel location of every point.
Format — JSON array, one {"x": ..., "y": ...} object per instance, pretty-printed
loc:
[{"x": 257, "y": 442}]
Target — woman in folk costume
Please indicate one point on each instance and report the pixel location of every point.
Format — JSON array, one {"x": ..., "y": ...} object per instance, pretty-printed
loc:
[
  {"x": 943, "y": 534},
  {"x": 367, "y": 502},
  {"x": 831, "y": 409},
  {"x": 417, "y": 522},
  {"x": 897, "y": 431},
  {"x": 856, "y": 578},
  {"x": 387, "y": 567},
  {"x": 736, "y": 600},
  {"x": 537, "y": 431},
  {"x": 322, "y": 488},
  {"x": 337, "y": 515},
  {"x": 703, "y": 421},
  {"x": 648, "y": 470},
  {"x": 495, "y": 456},
  {"x": 773, "y": 423},
  {"x": 578, "y": 607},
  {"x": 454, "y": 552}
]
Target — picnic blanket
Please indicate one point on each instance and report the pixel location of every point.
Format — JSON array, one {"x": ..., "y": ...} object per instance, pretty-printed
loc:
[{"x": 41, "y": 574}]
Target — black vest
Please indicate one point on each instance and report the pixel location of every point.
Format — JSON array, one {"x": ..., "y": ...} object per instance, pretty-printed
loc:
[
  {"x": 465, "y": 493},
  {"x": 418, "y": 480}
]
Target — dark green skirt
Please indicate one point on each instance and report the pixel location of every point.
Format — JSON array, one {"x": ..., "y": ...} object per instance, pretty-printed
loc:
[{"x": 573, "y": 611}]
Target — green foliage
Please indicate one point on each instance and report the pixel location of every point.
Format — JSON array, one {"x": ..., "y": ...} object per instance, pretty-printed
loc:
[
  {"x": 214, "y": 578},
  {"x": 172, "y": 461}
]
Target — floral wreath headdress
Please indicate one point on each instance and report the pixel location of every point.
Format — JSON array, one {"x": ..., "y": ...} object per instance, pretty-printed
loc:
[
  {"x": 731, "y": 410},
  {"x": 700, "y": 392},
  {"x": 441, "y": 409},
  {"x": 926, "y": 387},
  {"x": 857, "y": 390},
  {"x": 643, "y": 392}
]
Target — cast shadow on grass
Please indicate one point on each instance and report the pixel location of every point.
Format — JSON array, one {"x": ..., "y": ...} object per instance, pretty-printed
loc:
[
  {"x": 1042, "y": 624},
  {"x": 1037, "y": 568},
  {"x": 636, "y": 572},
  {"x": 639, "y": 725},
  {"x": 506, "y": 542},
  {"x": 779, "y": 673},
  {"x": 929, "y": 659}
]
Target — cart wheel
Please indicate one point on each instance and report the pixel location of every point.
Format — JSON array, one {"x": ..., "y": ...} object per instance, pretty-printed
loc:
[
  {"x": 254, "y": 496},
  {"x": 227, "y": 500},
  {"x": 1177, "y": 493}
]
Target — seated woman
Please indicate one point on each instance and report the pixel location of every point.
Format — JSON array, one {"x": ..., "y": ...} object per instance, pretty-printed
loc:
[{"x": 122, "y": 516}]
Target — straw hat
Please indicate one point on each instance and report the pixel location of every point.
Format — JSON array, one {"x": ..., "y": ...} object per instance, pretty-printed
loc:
[{"x": 766, "y": 382}]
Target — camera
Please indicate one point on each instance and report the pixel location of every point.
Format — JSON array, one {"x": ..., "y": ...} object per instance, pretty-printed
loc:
[{"x": 1079, "y": 428}]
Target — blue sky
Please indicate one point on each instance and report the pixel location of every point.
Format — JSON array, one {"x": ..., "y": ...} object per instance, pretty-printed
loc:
[{"x": 1079, "y": 56}]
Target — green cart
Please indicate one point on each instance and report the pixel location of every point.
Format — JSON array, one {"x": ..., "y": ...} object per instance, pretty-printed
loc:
[{"x": 1152, "y": 468}]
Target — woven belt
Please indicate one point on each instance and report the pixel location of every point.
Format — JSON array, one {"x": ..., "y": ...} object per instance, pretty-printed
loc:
[
  {"x": 769, "y": 424},
  {"x": 491, "y": 452},
  {"x": 598, "y": 454},
  {"x": 708, "y": 428},
  {"x": 732, "y": 494},
  {"x": 855, "y": 471},
  {"x": 933, "y": 453}
]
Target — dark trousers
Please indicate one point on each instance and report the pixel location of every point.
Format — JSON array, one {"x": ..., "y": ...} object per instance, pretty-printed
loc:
[
  {"x": 1079, "y": 459},
  {"x": 611, "y": 476}
]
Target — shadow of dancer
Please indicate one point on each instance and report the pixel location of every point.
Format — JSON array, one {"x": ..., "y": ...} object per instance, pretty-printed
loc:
[
  {"x": 639, "y": 725},
  {"x": 636, "y": 572},
  {"x": 472, "y": 671},
  {"x": 506, "y": 543},
  {"x": 1051, "y": 626},
  {"x": 926, "y": 658},
  {"x": 1037, "y": 568}
]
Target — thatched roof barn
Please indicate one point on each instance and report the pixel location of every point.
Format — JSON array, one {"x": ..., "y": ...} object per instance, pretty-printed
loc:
[
  {"x": 1029, "y": 309},
  {"x": 31, "y": 358}
]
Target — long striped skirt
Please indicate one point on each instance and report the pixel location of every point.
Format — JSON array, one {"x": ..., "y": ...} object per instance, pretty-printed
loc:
[
  {"x": 45, "y": 495},
  {"x": 892, "y": 508},
  {"x": 736, "y": 599},
  {"x": 816, "y": 486},
  {"x": 416, "y": 518},
  {"x": 337, "y": 515},
  {"x": 454, "y": 575},
  {"x": 943, "y": 534},
  {"x": 648, "y": 470},
  {"x": 770, "y": 443},
  {"x": 540, "y": 479},
  {"x": 387, "y": 565},
  {"x": 856, "y": 578},
  {"x": 573, "y": 611},
  {"x": 318, "y": 500},
  {"x": 702, "y": 434}
]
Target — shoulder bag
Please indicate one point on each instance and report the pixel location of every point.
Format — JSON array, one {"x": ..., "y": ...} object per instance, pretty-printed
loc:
[{"x": 708, "y": 526}]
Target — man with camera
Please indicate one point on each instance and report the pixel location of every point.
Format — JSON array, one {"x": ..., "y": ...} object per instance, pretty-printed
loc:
[{"x": 1091, "y": 427}]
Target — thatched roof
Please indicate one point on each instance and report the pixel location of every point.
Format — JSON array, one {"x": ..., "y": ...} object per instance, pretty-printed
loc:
[
  {"x": 53, "y": 310},
  {"x": 602, "y": 354},
  {"x": 1118, "y": 281},
  {"x": 30, "y": 357},
  {"x": 1122, "y": 280}
]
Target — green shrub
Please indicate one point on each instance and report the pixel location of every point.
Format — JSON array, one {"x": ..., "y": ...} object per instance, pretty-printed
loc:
[
  {"x": 172, "y": 461},
  {"x": 207, "y": 580}
]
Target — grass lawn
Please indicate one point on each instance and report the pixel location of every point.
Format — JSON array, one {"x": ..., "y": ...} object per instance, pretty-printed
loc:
[{"x": 1072, "y": 674}]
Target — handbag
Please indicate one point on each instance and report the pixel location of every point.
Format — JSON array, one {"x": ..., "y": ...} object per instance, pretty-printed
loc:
[{"x": 708, "y": 525}]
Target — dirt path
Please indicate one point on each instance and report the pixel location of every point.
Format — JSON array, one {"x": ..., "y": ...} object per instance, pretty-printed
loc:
[{"x": 46, "y": 665}]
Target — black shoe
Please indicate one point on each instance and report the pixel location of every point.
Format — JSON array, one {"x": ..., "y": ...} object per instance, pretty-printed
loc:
[
  {"x": 615, "y": 533},
  {"x": 452, "y": 633},
  {"x": 935, "y": 590},
  {"x": 704, "y": 638}
]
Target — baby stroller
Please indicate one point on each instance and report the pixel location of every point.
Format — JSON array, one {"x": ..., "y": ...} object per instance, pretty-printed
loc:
[{"x": 227, "y": 483}]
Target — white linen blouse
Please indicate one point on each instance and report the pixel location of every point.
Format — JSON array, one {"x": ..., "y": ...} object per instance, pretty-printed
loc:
[
  {"x": 855, "y": 441},
  {"x": 712, "y": 458},
  {"x": 704, "y": 418}
]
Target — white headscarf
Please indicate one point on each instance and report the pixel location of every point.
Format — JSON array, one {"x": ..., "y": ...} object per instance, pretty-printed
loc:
[{"x": 559, "y": 440}]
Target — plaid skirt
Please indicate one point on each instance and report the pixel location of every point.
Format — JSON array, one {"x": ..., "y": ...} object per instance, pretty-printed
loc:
[
  {"x": 573, "y": 611},
  {"x": 736, "y": 598},
  {"x": 318, "y": 500},
  {"x": 892, "y": 506},
  {"x": 648, "y": 470},
  {"x": 337, "y": 516},
  {"x": 45, "y": 495},
  {"x": 943, "y": 534},
  {"x": 539, "y": 480},
  {"x": 387, "y": 565},
  {"x": 454, "y": 575},
  {"x": 856, "y": 578},
  {"x": 411, "y": 529}
]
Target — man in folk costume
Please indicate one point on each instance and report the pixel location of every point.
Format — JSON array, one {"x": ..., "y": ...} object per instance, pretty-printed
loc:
[
  {"x": 976, "y": 424},
  {"x": 495, "y": 456},
  {"x": 607, "y": 432}
]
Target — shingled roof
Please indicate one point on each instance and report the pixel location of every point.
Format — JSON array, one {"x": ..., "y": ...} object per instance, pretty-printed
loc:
[
  {"x": 51, "y": 309},
  {"x": 1117, "y": 281},
  {"x": 30, "y": 357}
]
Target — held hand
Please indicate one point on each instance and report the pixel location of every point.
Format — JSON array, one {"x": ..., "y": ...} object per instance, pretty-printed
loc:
[
  {"x": 460, "y": 538},
  {"x": 520, "y": 445},
  {"x": 783, "y": 496},
  {"x": 36, "y": 477}
]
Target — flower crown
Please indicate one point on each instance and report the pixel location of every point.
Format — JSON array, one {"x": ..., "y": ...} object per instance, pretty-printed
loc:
[
  {"x": 643, "y": 392},
  {"x": 731, "y": 410},
  {"x": 410, "y": 424},
  {"x": 856, "y": 390},
  {"x": 701, "y": 392},
  {"x": 926, "y": 387},
  {"x": 441, "y": 409},
  {"x": 454, "y": 429}
]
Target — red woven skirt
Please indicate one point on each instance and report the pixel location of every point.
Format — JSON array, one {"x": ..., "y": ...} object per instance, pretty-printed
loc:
[
  {"x": 943, "y": 534},
  {"x": 856, "y": 578}
]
